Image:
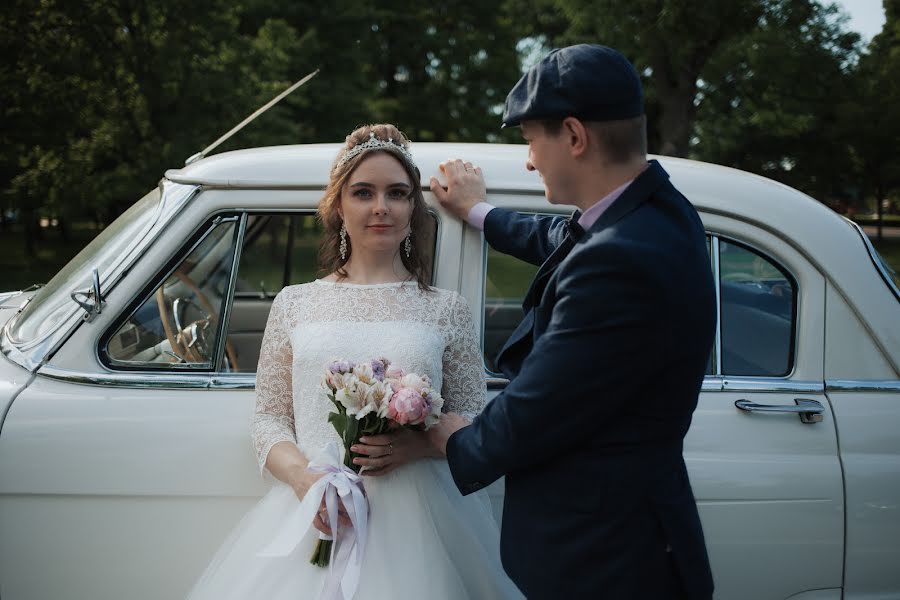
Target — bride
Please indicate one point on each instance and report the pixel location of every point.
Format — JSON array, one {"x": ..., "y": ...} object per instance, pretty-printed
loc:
[{"x": 424, "y": 540}]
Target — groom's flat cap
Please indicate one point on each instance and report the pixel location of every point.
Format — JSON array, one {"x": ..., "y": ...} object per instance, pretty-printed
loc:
[{"x": 587, "y": 81}]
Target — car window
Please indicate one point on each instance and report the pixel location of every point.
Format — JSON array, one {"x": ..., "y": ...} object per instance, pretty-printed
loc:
[
  {"x": 278, "y": 250},
  {"x": 176, "y": 325},
  {"x": 506, "y": 281},
  {"x": 758, "y": 313}
]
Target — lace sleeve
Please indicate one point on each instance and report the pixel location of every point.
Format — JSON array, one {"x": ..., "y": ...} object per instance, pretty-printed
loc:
[
  {"x": 273, "y": 420},
  {"x": 464, "y": 388}
]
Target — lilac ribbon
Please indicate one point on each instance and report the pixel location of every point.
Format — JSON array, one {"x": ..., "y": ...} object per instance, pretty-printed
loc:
[{"x": 347, "y": 552}]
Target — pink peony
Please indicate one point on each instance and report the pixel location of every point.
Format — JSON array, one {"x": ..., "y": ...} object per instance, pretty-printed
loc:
[{"x": 408, "y": 407}]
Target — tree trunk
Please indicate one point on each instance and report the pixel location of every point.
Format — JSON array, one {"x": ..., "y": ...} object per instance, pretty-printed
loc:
[
  {"x": 677, "y": 89},
  {"x": 676, "y": 120},
  {"x": 879, "y": 193},
  {"x": 32, "y": 232},
  {"x": 64, "y": 231}
]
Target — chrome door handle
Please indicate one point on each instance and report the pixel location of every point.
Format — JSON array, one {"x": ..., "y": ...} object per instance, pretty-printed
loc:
[{"x": 810, "y": 411}]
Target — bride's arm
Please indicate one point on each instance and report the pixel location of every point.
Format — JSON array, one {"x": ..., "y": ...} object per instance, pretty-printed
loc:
[
  {"x": 273, "y": 429},
  {"x": 464, "y": 390}
]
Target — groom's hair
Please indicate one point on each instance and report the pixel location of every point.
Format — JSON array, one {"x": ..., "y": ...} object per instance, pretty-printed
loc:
[{"x": 620, "y": 141}]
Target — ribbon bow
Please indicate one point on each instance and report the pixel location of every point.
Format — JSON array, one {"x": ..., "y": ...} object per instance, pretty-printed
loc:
[{"x": 347, "y": 551}]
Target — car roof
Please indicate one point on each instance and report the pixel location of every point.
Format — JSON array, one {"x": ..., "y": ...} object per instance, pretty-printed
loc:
[
  {"x": 711, "y": 188},
  {"x": 828, "y": 240},
  {"x": 306, "y": 166}
]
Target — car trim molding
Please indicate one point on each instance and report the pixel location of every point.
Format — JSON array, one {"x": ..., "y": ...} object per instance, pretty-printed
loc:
[
  {"x": 870, "y": 248},
  {"x": 130, "y": 379},
  {"x": 862, "y": 385}
]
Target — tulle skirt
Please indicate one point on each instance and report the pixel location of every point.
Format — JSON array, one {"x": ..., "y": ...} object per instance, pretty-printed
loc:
[{"x": 425, "y": 541}]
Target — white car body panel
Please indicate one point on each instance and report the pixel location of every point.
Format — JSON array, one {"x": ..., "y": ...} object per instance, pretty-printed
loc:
[{"x": 113, "y": 490}]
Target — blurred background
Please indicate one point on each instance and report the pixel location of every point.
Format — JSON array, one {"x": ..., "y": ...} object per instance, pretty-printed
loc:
[{"x": 99, "y": 98}]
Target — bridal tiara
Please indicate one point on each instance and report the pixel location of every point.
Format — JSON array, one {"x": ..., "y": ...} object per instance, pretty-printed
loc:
[{"x": 373, "y": 143}]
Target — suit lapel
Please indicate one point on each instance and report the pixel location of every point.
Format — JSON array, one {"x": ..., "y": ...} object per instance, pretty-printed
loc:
[
  {"x": 634, "y": 195},
  {"x": 575, "y": 232}
]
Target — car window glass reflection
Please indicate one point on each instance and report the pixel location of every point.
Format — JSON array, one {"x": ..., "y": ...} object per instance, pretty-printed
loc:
[
  {"x": 758, "y": 313},
  {"x": 177, "y": 325},
  {"x": 507, "y": 279}
]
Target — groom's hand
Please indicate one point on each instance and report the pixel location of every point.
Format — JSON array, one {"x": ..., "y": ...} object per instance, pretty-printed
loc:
[
  {"x": 465, "y": 187},
  {"x": 449, "y": 424}
]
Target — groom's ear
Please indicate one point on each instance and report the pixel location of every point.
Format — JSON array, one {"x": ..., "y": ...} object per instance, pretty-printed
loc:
[{"x": 577, "y": 136}]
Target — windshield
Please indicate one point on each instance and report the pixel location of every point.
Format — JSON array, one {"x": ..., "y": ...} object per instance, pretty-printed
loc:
[{"x": 52, "y": 302}]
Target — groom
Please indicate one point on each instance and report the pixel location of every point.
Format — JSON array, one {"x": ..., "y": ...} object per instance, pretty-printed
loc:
[{"x": 607, "y": 364}]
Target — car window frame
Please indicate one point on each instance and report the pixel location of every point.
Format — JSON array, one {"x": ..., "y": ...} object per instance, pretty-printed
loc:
[
  {"x": 212, "y": 376},
  {"x": 717, "y": 373},
  {"x": 205, "y": 228},
  {"x": 713, "y": 380}
]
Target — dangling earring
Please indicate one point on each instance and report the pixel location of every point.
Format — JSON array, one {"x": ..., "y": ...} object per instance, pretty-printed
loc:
[
  {"x": 407, "y": 245},
  {"x": 343, "y": 247}
]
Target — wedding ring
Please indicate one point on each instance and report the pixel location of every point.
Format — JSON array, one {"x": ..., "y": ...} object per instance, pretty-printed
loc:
[{"x": 390, "y": 448}]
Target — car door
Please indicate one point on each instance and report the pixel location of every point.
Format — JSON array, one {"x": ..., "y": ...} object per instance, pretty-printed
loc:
[{"x": 762, "y": 449}]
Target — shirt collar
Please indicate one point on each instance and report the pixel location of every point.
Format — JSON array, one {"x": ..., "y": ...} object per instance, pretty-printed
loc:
[{"x": 590, "y": 216}]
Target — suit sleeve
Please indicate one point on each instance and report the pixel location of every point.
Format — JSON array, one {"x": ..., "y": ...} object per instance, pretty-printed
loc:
[
  {"x": 531, "y": 238},
  {"x": 578, "y": 374}
]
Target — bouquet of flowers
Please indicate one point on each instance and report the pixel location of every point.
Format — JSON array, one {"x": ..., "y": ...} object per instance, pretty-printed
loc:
[{"x": 370, "y": 398}]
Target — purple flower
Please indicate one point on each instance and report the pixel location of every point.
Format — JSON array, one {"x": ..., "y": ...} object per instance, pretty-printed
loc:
[
  {"x": 378, "y": 369},
  {"x": 340, "y": 366}
]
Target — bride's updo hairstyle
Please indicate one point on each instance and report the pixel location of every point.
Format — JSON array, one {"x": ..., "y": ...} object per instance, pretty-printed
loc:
[{"x": 359, "y": 145}]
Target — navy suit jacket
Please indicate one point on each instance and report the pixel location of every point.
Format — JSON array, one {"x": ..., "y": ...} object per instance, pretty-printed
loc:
[{"x": 605, "y": 371}]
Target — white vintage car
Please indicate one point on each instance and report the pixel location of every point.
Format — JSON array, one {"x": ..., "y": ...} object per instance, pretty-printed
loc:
[{"x": 127, "y": 382}]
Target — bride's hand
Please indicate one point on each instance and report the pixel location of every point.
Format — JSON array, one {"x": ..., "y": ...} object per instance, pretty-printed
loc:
[
  {"x": 320, "y": 521},
  {"x": 301, "y": 484},
  {"x": 384, "y": 453}
]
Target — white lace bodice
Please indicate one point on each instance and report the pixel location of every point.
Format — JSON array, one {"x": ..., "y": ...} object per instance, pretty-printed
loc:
[{"x": 310, "y": 325}]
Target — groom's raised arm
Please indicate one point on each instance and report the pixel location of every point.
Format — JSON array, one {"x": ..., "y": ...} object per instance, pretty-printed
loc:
[
  {"x": 531, "y": 238},
  {"x": 567, "y": 389}
]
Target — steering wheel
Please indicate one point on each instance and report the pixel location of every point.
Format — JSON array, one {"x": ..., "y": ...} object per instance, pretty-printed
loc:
[{"x": 189, "y": 342}]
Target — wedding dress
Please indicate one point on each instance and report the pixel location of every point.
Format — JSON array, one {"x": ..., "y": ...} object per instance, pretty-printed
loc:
[{"x": 425, "y": 540}]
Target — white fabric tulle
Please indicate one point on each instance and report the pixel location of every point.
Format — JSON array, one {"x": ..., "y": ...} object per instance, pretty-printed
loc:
[{"x": 424, "y": 540}]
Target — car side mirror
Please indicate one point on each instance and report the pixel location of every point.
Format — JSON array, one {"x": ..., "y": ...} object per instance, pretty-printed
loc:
[{"x": 92, "y": 301}]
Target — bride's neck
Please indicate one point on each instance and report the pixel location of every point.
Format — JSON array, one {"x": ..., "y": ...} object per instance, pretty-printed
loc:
[{"x": 365, "y": 268}]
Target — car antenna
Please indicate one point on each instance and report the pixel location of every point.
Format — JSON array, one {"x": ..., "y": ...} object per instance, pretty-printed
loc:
[{"x": 241, "y": 125}]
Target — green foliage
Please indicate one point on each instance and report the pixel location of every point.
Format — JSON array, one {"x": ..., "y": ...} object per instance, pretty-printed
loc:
[
  {"x": 774, "y": 102},
  {"x": 100, "y": 98}
]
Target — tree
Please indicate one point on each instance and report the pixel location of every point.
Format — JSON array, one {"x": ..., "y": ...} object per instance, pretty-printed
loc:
[
  {"x": 873, "y": 119},
  {"x": 774, "y": 101},
  {"x": 670, "y": 42}
]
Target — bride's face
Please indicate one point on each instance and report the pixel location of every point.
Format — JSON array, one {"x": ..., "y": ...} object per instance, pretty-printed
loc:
[{"x": 376, "y": 206}]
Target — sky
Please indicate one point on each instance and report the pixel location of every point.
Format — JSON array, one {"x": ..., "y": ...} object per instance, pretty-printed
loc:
[{"x": 866, "y": 16}]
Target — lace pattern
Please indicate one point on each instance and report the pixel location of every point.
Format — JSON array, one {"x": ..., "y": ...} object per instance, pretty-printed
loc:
[{"x": 313, "y": 323}]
